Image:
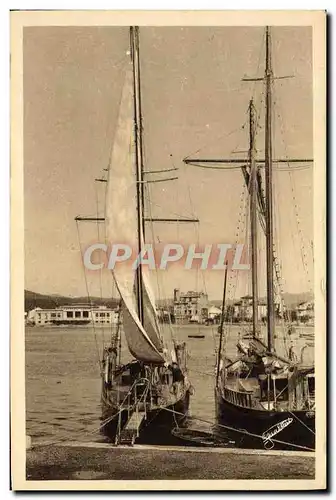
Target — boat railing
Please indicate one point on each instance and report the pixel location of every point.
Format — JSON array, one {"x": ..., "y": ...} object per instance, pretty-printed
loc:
[{"x": 239, "y": 398}]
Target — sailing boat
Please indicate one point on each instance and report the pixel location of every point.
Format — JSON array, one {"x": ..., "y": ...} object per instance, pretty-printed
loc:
[
  {"x": 148, "y": 396},
  {"x": 263, "y": 398}
]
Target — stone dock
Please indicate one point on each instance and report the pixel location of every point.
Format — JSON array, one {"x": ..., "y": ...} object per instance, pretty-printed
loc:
[{"x": 101, "y": 461}]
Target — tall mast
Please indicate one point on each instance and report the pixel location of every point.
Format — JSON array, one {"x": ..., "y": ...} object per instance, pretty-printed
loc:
[
  {"x": 253, "y": 217},
  {"x": 221, "y": 328},
  {"x": 140, "y": 127},
  {"x": 134, "y": 44},
  {"x": 269, "y": 194}
]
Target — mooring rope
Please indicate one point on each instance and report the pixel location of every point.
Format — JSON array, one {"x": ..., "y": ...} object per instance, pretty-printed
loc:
[
  {"x": 299, "y": 420},
  {"x": 242, "y": 431},
  {"x": 174, "y": 412}
]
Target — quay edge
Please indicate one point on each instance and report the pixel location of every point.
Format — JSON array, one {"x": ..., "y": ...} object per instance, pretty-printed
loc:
[{"x": 101, "y": 461}]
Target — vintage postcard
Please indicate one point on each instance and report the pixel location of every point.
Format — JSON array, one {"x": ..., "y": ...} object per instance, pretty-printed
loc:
[{"x": 168, "y": 232}]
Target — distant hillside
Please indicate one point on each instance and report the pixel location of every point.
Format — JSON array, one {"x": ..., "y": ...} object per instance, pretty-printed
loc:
[
  {"x": 293, "y": 299},
  {"x": 165, "y": 302},
  {"x": 290, "y": 299},
  {"x": 33, "y": 300}
]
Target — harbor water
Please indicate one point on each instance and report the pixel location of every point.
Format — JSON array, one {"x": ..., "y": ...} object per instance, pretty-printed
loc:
[{"x": 63, "y": 381}]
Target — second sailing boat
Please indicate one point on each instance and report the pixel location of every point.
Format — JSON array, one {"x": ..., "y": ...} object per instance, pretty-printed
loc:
[
  {"x": 263, "y": 398},
  {"x": 269, "y": 397}
]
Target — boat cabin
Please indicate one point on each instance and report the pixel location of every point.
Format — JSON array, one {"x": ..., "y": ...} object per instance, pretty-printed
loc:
[{"x": 288, "y": 390}]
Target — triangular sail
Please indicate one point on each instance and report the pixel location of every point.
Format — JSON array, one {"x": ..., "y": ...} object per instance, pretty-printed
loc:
[
  {"x": 150, "y": 320},
  {"x": 121, "y": 227}
]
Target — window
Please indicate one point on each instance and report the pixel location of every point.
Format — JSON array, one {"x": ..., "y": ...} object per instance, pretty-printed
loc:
[
  {"x": 102, "y": 315},
  {"x": 311, "y": 385},
  {"x": 53, "y": 315},
  {"x": 85, "y": 314},
  {"x": 77, "y": 314},
  {"x": 264, "y": 389},
  {"x": 281, "y": 388},
  {"x": 69, "y": 314}
]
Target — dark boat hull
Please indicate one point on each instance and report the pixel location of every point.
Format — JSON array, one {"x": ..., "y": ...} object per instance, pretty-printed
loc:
[
  {"x": 157, "y": 427},
  {"x": 299, "y": 434}
]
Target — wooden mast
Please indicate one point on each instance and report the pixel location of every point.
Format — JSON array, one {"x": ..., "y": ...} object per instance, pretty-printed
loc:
[
  {"x": 140, "y": 128},
  {"x": 221, "y": 327},
  {"x": 253, "y": 217},
  {"x": 269, "y": 193},
  {"x": 138, "y": 162}
]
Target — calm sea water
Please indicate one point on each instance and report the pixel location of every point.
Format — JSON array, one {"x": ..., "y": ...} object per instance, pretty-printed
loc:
[{"x": 63, "y": 383}]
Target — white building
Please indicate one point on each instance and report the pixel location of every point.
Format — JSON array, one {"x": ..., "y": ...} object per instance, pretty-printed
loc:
[
  {"x": 243, "y": 309},
  {"x": 190, "y": 306},
  {"x": 305, "y": 310},
  {"x": 214, "y": 312},
  {"x": 41, "y": 317},
  {"x": 73, "y": 314}
]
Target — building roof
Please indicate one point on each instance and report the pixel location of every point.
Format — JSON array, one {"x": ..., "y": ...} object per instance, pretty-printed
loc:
[{"x": 214, "y": 310}]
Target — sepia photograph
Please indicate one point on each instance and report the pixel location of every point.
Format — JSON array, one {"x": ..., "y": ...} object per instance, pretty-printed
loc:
[{"x": 168, "y": 250}]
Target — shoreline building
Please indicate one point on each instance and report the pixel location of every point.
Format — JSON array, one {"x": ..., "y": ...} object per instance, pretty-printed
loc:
[
  {"x": 214, "y": 314},
  {"x": 76, "y": 314},
  {"x": 243, "y": 310},
  {"x": 191, "y": 307},
  {"x": 305, "y": 312}
]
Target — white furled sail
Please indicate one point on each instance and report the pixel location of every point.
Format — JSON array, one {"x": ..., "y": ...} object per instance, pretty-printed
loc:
[
  {"x": 121, "y": 228},
  {"x": 150, "y": 320}
]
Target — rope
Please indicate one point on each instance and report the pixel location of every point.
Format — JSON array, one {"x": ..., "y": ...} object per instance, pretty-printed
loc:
[
  {"x": 88, "y": 296},
  {"x": 200, "y": 271},
  {"x": 215, "y": 166},
  {"x": 242, "y": 431},
  {"x": 233, "y": 282},
  {"x": 101, "y": 269},
  {"x": 115, "y": 415},
  {"x": 301, "y": 422},
  {"x": 160, "y": 285},
  {"x": 221, "y": 136},
  {"x": 277, "y": 258},
  {"x": 169, "y": 212},
  {"x": 296, "y": 208}
]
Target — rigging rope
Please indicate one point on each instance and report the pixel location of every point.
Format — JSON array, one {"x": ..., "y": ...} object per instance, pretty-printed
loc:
[
  {"x": 148, "y": 198},
  {"x": 278, "y": 282},
  {"x": 215, "y": 166},
  {"x": 301, "y": 422},
  {"x": 101, "y": 269},
  {"x": 233, "y": 277},
  {"x": 221, "y": 136},
  {"x": 90, "y": 302},
  {"x": 303, "y": 253},
  {"x": 223, "y": 426},
  {"x": 242, "y": 431},
  {"x": 196, "y": 231}
]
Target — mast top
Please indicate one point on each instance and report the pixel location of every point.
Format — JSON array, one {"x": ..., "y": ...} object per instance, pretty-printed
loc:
[{"x": 268, "y": 66}]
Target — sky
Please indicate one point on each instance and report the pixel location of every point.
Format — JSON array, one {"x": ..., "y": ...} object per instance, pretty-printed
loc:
[{"x": 194, "y": 104}]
